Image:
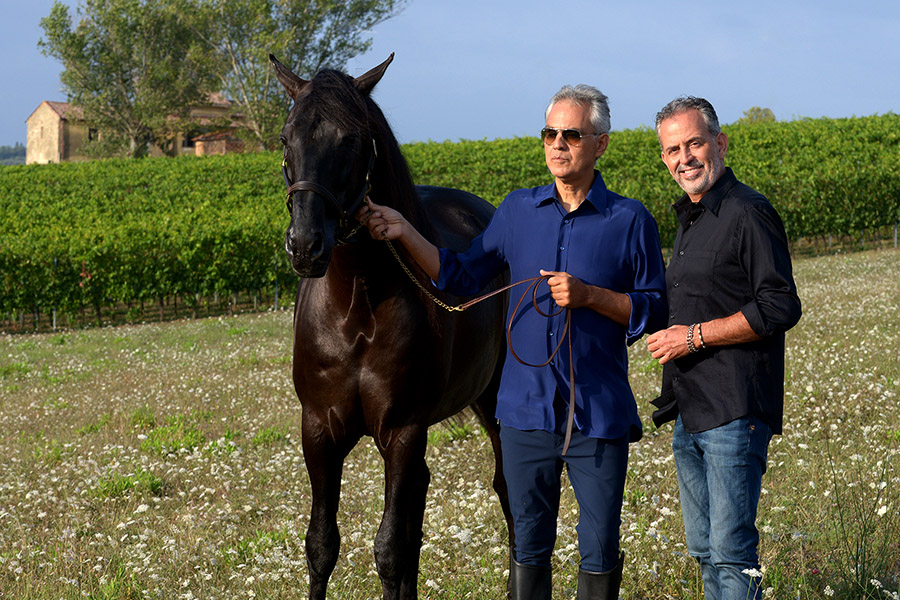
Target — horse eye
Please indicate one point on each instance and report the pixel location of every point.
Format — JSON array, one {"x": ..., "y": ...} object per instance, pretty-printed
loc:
[{"x": 283, "y": 141}]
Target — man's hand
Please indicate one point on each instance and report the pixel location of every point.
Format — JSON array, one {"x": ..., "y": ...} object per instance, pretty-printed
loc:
[
  {"x": 567, "y": 291},
  {"x": 383, "y": 223},
  {"x": 571, "y": 292},
  {"x": 668, "y": 344}
]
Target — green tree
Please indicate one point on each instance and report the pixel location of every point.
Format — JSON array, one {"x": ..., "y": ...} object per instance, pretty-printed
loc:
[
  {"x": 12, "y": 155},
  {"x": 134, "y": 68},
  {"x": 757, "y": 115},
  {"x": 305, "y": 35}
]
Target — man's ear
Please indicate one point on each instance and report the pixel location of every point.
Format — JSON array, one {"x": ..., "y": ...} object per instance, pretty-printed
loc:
[
  {"x": 722, "y": 144},
  {"x": 602, "y": 144}
]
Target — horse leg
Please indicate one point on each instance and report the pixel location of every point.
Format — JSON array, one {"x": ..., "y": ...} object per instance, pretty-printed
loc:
[
  {"x": 324, "y": 456},
  {"x": 484, "y": 409},
  {"x": 399, "y": 538}
]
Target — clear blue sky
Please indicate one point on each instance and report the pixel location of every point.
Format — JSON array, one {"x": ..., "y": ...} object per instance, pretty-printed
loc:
[{"x": 484, "y": 69}]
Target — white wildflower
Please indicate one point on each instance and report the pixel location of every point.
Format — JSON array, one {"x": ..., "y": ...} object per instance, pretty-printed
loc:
[{"x": 756, "y": 573}]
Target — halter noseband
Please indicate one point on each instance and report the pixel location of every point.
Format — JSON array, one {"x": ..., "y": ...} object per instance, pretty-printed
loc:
[{"x": 346, "y": 214}]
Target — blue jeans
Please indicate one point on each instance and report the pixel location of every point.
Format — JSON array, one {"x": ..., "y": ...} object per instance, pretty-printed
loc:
[
  {"x": 719, "y": 479},
  {"x": 533, "y": 463}
]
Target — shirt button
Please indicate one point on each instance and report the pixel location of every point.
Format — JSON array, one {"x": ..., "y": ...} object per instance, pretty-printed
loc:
[
  {"x": 681, "y": 253},
  {"x": 675, "y": 284},
  {"x": 566, "y": 221},
  {"x": 675, "y": 379},
  {"x": 551, "y": 334},
  {"x": 671, "y": 315},
  {"x": 562, "y": 247}
]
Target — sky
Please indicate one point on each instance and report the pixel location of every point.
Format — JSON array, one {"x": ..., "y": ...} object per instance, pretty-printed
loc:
[{"x": 485, "y": 69}]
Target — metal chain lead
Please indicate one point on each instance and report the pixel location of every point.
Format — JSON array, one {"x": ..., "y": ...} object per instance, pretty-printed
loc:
[{"x": 415, "y": 280}]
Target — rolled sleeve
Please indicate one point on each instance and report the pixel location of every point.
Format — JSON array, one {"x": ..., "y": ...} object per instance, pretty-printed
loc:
[
  {"x": 765, "y": 256},
  {"x": 648, "y": 314},
  {"x": 649, "y": 308}
]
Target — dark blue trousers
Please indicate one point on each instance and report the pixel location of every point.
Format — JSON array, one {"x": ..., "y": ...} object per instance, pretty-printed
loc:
[{"x": 533, "y": 463}]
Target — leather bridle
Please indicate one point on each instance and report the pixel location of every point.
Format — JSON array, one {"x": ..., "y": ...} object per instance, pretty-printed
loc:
[{"x": 345, "y": 214}]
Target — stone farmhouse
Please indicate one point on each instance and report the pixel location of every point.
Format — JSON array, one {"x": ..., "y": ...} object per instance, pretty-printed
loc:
[{"x": 57, "y": 132}]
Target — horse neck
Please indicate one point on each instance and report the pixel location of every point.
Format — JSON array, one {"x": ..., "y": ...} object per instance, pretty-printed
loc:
[
  {"x": 366, "y": 271},
  {"x": 363, "y": 274},
  {"x": 393, "y": 186}
]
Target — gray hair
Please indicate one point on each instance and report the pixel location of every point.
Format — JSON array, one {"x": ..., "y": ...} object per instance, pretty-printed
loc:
[
  {"x": 685, "y": 103},
  {"x": 589, "y": 96}
]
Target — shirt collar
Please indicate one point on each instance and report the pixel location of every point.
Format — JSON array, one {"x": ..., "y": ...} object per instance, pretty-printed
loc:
[
  {"x": 597, "y": 195},
  {"x": 711, "y": 200}
]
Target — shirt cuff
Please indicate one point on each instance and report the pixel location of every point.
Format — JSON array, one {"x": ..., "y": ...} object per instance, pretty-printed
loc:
[
  {"x": 637, "y": 320},
  {"x": 754, "y": 317}
]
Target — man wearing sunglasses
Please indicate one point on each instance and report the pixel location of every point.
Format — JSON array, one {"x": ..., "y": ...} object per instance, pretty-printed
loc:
[
  {"x": 600, "y": 253},
  {"x": 732, "y": 297}
]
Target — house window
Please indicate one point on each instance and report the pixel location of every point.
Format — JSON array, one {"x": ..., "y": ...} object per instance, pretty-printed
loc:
[{"x": 188, "y": 140}]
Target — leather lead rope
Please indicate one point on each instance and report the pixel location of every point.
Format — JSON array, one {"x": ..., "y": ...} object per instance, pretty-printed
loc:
[{"x": 533, "y": 282}]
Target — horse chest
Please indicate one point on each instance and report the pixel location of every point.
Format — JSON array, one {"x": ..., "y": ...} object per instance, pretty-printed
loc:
[{"x": 355, "y": 325}]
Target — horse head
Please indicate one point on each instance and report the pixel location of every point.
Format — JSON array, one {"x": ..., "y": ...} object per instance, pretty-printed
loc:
[{"x": 330, "y": 148}]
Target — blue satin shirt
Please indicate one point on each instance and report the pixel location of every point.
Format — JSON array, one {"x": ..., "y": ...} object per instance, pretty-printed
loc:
[{"x": 608, "y": 241}]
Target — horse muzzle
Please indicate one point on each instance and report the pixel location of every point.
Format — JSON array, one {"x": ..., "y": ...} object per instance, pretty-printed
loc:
[{"x": 309, "y": 252}]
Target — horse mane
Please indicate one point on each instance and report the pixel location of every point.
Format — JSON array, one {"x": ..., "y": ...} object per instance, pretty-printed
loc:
[{"x": 335, "y": 99}]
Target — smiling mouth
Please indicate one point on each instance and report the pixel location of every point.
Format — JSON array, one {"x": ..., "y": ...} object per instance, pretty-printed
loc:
[{"x": 691, "y": 172}]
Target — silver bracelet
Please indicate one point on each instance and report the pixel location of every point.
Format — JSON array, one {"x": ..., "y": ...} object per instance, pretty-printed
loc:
[
  {"x": 700, "y": 335},
  {"x": 690, "y": 339}
]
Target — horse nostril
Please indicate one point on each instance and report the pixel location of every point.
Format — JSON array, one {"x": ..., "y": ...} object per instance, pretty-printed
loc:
[
  {"x": 317, "y": 246},
  {"x": 289, "y": 242}
]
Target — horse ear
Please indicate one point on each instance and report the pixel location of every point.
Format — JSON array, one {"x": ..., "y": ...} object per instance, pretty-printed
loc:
[
  {"x": 365, "y": 83},
  {"x": 293, "y": 84}
]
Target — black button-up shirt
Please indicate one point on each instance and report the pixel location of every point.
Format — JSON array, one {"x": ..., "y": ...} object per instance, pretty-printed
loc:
[{"x": 730, "y": 254}]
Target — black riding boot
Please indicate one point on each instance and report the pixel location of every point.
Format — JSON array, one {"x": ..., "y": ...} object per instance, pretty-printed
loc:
[
  {"x": 593, "y": 585},
  {"x": 529, "y": 583}
]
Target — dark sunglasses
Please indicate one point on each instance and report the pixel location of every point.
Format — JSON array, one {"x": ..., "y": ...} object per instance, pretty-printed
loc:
[{"x": 572, "y": 136}]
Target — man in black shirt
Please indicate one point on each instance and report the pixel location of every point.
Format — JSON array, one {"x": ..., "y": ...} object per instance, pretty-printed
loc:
[{"x": 731, "y": 299}]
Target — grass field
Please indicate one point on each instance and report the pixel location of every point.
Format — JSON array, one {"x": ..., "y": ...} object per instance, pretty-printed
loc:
[{"x": 164, "y": 461}]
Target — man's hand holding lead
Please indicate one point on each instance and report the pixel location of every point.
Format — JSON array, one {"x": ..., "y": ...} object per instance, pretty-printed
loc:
[
  {"x": 567, "y": 291},
  {"x": 383, "y": 222}
]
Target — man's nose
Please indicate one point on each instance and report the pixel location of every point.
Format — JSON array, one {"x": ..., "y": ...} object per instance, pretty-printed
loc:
[{"x": 559, "y": 143}]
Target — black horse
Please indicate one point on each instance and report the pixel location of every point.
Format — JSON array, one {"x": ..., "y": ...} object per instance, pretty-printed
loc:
[{"x": 373, "y": 355}]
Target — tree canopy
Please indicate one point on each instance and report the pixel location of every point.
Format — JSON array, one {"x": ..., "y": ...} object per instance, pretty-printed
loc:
[
  {"x": 12, "y": 155},
  {"x": 756, "y": 114},
  {"x": 137, "y": 67},
  {"x": 132, "y": 66},
  {"x": 306, "y": 35}
]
